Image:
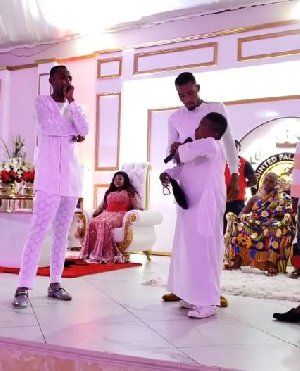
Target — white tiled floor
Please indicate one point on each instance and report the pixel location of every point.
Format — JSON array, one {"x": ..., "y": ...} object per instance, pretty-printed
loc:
[{"x": 113, "y": 312}]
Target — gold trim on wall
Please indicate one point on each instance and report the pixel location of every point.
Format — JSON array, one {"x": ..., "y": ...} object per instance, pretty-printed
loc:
[
  {"x": 21, "y": 67},
  {"x": 244, "y": 40},
  {"x": 108, "y": 60},
  {"x": 202, "y": 36},
  {"x": 149, "y": 127},
  {"x": 77, "y": 58},
  {"x": 213, "y": 62},
  {"x": 65, "y": 60},
  {"x": 97, "y": 134},
  {"x": 261, "y": 100},
  {"x": 227, "y": 103},
  {"x": 45, "y": 61},
  {"x": 96, "y": 186}
]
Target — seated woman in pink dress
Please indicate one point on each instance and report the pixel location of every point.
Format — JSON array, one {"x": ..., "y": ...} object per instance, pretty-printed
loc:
[{"x": 99, "y": 245}]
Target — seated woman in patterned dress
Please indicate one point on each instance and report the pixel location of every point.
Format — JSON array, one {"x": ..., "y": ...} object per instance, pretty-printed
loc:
[
  {"x": 262, "y": 236},
  {"x": 99, "y": 245}
]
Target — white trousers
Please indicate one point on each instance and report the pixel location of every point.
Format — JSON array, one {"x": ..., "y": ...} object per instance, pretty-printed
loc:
[{"x": 47, "y": 209}]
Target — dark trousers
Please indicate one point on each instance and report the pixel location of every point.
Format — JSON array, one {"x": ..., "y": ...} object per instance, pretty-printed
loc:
[{"x": 234, "y": 207}]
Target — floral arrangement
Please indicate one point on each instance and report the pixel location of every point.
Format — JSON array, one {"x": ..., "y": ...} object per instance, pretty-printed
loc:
[
  {"x": 28, "y": 176},
  {"x": 15, "y": 169},
  {"x": 18, "y": 148},
  {"x": 9, "y": 177}
]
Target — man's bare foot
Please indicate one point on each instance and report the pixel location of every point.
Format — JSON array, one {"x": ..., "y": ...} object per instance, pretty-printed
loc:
[
  {"x": 237, "y": 263},
  {"x": 271, "y": 269}
]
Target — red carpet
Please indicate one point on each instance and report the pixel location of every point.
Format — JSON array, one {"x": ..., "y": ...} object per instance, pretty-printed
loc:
[{"x": 77, "y": 268}]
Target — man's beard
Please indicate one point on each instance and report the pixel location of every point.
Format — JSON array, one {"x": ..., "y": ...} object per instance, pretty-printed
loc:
[{"x": 197, "y": 104}]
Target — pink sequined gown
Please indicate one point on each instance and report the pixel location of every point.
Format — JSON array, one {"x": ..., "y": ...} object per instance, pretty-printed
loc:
[{"x": 99, "y": 244}]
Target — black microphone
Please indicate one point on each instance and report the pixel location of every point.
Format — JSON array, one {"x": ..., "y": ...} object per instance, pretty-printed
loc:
[{"x": 172, "y": 154}]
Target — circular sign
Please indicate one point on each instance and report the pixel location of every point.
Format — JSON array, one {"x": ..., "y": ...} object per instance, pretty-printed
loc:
[{"x": 280, "y": 164}]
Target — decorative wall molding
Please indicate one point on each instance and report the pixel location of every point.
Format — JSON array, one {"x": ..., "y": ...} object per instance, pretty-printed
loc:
[
  {"x": 202, "y": 36},
  {"x": 228, "y": 103},
  {"x": 65, "y": 60},
  {"x": 46, "y": 61},
  {"x": 149, "y": 126},
  {"x": 98, "y": 186},
  {"x": 261, "y": 100},
  {"x": 277, "y": 46},
  {"x": 108, "y": 126},
  {"x": 23, "y": 66},
  {"x": 41, "y": 86},
  {"x": 20, "y": 67},
  {"x": 193, "y": 56},
  {"x": 109, "y": 68}
]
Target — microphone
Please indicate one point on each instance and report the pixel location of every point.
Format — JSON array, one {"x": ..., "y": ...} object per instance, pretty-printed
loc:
[{"x": 172, "y": 154}]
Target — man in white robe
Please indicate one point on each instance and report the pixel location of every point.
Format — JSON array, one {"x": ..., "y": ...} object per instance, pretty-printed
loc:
[
  {"x": 184, "y": 121},
  {"x": 196, "y": 262}
]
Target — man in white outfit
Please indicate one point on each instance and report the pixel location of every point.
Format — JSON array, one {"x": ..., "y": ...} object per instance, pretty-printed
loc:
[
  {"x": 61, "y": 123},
  {"x": 196, "y": 262},
  {"x": 184, "y": 121}
]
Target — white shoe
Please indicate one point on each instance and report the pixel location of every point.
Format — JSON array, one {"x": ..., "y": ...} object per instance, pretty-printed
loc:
[
  {"x": 185, "y": 305},
  {"x": 202, "y": 312}
]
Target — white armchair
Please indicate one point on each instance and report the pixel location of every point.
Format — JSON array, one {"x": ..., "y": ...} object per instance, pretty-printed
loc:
[{"x": 137, "y": 233}]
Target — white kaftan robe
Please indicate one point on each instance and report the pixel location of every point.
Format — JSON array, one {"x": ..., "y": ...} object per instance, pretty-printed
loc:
[
  {"x": 182, "y": 124},
  {"x": 196, "y": 262}
]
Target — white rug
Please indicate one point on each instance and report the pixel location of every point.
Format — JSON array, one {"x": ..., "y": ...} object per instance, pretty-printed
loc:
[{"x": 251, "y": 282}]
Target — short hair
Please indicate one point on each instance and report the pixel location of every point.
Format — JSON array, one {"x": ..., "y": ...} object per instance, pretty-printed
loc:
[
  {"x": 55, "y": 68},
  {"x": 273, "y": 175},
  {"x": 185, "y": 77},
  {"x": 218, "y": 123}
]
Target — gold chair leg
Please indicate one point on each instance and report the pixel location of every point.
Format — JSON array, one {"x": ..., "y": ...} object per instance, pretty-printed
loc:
[
  {"x": 127, "y": 255},
  {"x": 148, "y": 255}
]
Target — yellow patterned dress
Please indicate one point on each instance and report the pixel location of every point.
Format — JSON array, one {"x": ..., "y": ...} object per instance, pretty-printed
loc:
[{"x": 266, "y": 235}]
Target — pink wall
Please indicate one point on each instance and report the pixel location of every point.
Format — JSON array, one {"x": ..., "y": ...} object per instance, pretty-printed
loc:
[
  {"x": 84, "y": 76},
  {"x": 22, "y": 93}
]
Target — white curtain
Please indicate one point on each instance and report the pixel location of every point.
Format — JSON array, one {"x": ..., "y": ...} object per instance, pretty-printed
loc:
[{"x": 32, "y": 22}]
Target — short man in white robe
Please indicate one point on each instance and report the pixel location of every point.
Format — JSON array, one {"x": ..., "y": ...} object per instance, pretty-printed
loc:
[
  {"x": 182, "y": 124},
  {"x": 196, "y": 262}
]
